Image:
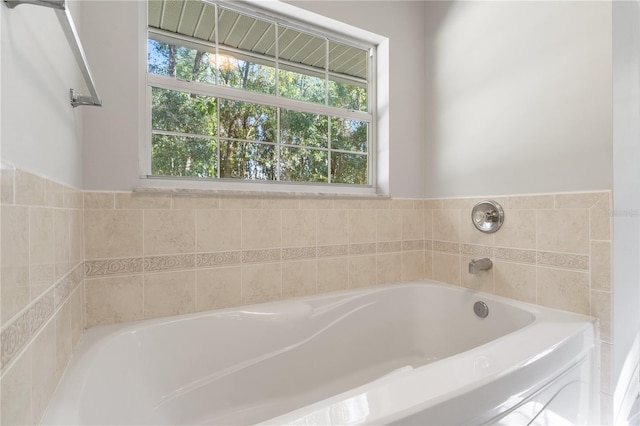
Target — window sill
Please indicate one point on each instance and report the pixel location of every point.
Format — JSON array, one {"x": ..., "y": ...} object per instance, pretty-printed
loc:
[{"x": 180, "y": 186}]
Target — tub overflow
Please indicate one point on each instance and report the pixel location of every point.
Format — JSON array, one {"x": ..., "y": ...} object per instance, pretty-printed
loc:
[{"x": 481, "y": 309}]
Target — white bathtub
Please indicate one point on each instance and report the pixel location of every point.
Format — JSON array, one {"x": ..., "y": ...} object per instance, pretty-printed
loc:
[{"x": 404, "y": 354}]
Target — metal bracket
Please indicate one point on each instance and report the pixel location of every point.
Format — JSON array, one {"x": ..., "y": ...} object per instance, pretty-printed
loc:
[{"x": 60, "y": 7}]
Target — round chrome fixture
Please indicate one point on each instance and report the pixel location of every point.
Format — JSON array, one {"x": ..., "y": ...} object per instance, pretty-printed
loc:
[
  {"x": 487, "y": 216},
  {"x": 481, "y": 309}
]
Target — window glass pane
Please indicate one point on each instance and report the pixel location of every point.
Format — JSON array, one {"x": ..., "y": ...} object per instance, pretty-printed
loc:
[
  {"x": 349, "y": 168},
  {"x": 296, "y": 85},
  {"x": 183, "y": 156},
  {"x": 349, "y": 135},
  {"x": 174, "y": 60},
  {"x": 183, "y": 112},
  {"x": 303, "y": 165},
  {"x": 348, "y": 75},
  {"x": 247, "y": 160},
  {"x": 244, "y": 120},
  {"x": 301, "y": 128},
  {"x": 244, "y": 72},
  {"x": 347, "y": 96}
]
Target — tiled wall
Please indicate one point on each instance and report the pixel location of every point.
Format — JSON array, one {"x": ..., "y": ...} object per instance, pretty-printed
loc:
[
  {"x": 553, "y": 250},
  {"x": 41, "y": 298},
  {"x": 154, "y": 255},
  {"x": 149, "y": 255}
]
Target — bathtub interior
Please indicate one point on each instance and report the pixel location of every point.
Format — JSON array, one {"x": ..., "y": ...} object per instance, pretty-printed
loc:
[{"x": 245, "y": 366}]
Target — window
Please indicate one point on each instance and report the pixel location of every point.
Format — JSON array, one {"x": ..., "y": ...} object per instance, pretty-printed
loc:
[{"x": 241, "y": 95}]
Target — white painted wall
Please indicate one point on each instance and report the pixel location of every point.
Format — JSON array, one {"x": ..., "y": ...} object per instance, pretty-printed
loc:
[
  {"x": 518, "y": 97},
  {"x": 111, "y": 136},
  {"x": 626, "y": 200},
  {"x": 41, "y": 132}
]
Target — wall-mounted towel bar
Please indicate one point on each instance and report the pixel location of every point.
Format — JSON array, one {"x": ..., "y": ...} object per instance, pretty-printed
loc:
[{"x": 62, "y": 12}]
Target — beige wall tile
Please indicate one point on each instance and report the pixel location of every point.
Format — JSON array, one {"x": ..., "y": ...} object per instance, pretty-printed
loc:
[
  {"x": 77, "y": 314},
  {"x": 397, "y": 203},
  {"x": 99, "y": 200},
  {"x": 29, "y": 189},
  {"x": 14, "y": 260},
  {"x": 282, "y": 203},
  {"x": 518, "y": 230},
  {"x": 516, "y": 281},
  {"x": 218, "y": 230},
  {"x": 6, "y": 184},
  {"x": 261, "y": 229},
  {"x": 459, "y": 203},
  {"x": 61, "y": 244},
  {"x": 72, "y": 198},
  {"x": 413, "y": 265},
  {"x": 43, "y": 370},
  {"x": 564, "y": 230},
  {"x": 349, "y": 204},
  {"x": 446, "y": 268},
  {"x": 446, "y": 225},
  {"x": 412, "y": 225},
  {"x": 41, "y": 251},
  {"x": 332, "y": 227},
  {"x": 64, "y": 341},
  {"x": 240, "y": 203},
  {"x": 428, "y": 264},
  {"x": 316, "y": 203},
  {"x": 583, "y": 200},
  {"x": 218, "y": 288},
  {"x": 433, "y": 204},
  {"x": 261, "y": 282},
  {"x": 333, "y": 274},
  {"x": 169, "y": 293},
  {"x": 562, "y": 289},
  {"x": 15, "y": 393},
  {"x": 600, "y": 265},
  {"x": 428, "y": 224},
  {"x": 389, "y": 268},
  {"x": 469, "y": 234},
  {"x": 54, "y": 194},
  {"x": 76, "y": 236},
  {"x": 137, "y": 200},
  {"x": 389, "y": 225},
  {"x": 528, "y": 202},
  {"x": 362, "y": 271},
  {"x": 481, "y": 281},
  {"x": 601, "y": 309},
  {"x": 169, "y": 231},
  {"x": 112, "y": 233},
  {"x": 114, "y": 299},
  {"x": 298, "y": 228},
  {"x": 600, "y": 224},
  {"x": 195, "y": 202},
  {"x": 362, "y": 226},
  {"x": 299, "y": 278}
]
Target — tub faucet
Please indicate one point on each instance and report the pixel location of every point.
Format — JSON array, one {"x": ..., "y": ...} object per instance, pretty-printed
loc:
[{"x": 477, "y": 265}]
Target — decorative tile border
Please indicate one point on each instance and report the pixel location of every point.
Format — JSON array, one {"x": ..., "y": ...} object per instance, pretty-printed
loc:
[
  {"x": 389, "y": 246},
  {"x": 23, "y": 327},
  {"x": 222, "y": 258},
  {"x": 333, "y": 251},
  {"x": 97, "y": 268},
  {"x": 515, "y": 255},
  {"x": 563, "y": 260},
  {"x": 474, "y": 250},
  {"x": 365, "y": 248},
  {"x": 161, "y": 263},
  {"x": 258, "y": 256},
  {"x": 446, "y": 247},
  {"x": 298, "y": 253},
  {"x": 413, "y": 245}
]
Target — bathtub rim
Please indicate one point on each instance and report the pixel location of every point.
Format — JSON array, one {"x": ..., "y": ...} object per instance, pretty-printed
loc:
[{"x": 98, "y": 336}]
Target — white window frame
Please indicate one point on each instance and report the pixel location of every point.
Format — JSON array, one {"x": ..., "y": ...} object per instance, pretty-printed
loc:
[{"x": 378, "y": 150}]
